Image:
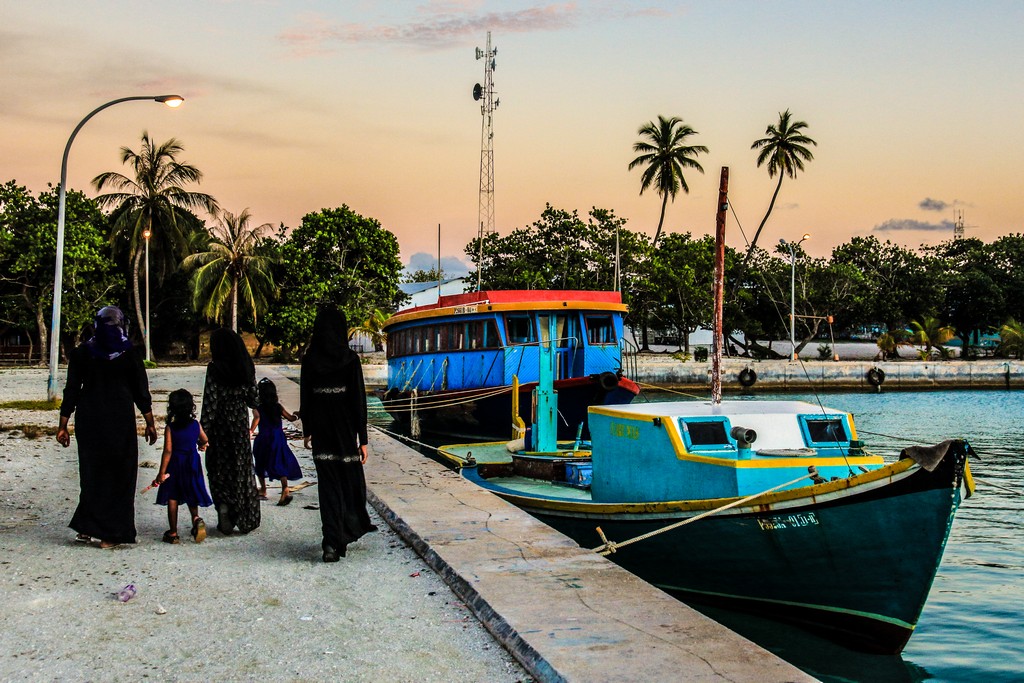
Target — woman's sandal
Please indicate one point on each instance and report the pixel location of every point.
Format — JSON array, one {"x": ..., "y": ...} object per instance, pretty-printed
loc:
[
  {"x": 199, "y": 529},
  {"x": 168, "y": 538},
  {"x": 284, "y": 501},
  {"x": 83, "y": 538}
]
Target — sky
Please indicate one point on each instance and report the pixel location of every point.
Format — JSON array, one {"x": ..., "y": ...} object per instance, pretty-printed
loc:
[{"x": 296, "y": 106}]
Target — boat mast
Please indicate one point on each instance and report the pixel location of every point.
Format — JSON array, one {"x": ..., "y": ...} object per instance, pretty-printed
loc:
[{"x": 719, "y": 286}]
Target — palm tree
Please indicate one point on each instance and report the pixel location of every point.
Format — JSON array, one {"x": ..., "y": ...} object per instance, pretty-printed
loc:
[
  {"x": 784, "y": 149},
  {"x": 1011, "y": 339},
  {"x": 153, "y": 201},
  {"x": 231, "y": 268},
  {"x": 664, "y": 154},
  {"x": 373, "y": 328},
  {"x": 930, "y": 333}
]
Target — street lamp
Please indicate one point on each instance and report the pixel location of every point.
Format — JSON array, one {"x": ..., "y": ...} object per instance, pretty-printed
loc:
[
  {"x": 792, "y": 288},
  {"x": 147, "y": 233},
  {"x": 51, "y": 384}
]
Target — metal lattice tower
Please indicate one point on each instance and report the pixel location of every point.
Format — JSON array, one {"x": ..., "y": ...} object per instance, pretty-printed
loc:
[{"x": 488, "y": 103}]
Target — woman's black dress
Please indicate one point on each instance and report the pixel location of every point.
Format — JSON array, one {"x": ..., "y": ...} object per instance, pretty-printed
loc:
[
  {"x": 103, "y": 394},
  {"x": 333, "y": 412},
  {"x": 229, "y": 464}
]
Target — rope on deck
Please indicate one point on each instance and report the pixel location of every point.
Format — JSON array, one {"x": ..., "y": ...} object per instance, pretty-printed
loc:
[{"x": 609, "y": 547}]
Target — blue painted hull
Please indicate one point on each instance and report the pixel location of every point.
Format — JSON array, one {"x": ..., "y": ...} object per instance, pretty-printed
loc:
[
  {"x": 483, "y": 413},
  {"x": 859, "y": 564}
]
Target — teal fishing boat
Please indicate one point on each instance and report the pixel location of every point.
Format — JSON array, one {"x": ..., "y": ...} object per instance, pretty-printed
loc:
[{"x": 770, "y": 506}]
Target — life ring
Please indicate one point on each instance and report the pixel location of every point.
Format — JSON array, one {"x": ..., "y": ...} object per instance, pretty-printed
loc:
[
  {"x": 747, "y": 377},
  {"x": 608, "y": 381},
  {"x": 876, "y": 376}
]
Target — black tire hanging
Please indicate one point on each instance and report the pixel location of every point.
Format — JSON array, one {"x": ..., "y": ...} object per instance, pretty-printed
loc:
[
  {"x": 876, "y": 376},
  {"x": 747, "y": 377},
  {"x": 609, "y": 381}
]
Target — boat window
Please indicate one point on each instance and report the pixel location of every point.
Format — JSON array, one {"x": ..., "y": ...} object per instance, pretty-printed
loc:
[
  {"x": 600, "y": 329},
  {"x": 707, "y": 433},
  {"x": 492, "y": 340},
  {"x": 483, "y": 334},
  {"x": 825, "y": 431},
  {"x": 519, "y": 329}
]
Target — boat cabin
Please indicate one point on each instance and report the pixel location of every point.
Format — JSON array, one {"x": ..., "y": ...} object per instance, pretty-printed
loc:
[
  {"x": 483, "y": 339},
  {"x": 683, "y": 450}
]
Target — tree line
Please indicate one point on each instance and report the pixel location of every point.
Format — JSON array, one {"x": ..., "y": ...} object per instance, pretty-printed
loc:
[{"x": 254, "y": 278}]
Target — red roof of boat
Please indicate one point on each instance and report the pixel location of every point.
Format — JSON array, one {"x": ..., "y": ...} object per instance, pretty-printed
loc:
[{"x": 510, "y": 296}]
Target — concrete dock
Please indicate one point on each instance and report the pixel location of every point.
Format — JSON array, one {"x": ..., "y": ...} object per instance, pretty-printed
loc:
[{"x": 564, "y": 612}]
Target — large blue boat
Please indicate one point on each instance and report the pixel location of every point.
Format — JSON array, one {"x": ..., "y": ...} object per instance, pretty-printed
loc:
[{"x": 461, "y": 365}]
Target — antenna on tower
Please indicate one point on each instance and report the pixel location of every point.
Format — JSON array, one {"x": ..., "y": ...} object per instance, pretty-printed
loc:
[
  {"x": 958, "y": 224},
  {"x": 485, "y": 95}
]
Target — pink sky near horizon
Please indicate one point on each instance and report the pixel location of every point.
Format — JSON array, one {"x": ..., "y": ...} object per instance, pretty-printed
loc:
[{"x": 295, "y": 107}]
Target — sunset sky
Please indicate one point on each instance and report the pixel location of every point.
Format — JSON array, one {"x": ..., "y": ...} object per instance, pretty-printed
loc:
[{"x": 291, "y": 107}]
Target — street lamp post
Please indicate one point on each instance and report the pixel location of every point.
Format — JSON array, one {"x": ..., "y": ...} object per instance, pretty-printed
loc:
[
  {"x": 51, "y": 384},
  {"x": 147, "y": 233},
  {"x": 792, "y": 289}
]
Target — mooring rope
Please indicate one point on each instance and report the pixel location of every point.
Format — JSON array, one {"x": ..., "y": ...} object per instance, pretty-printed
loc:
[{"x": 609, "y": 547}]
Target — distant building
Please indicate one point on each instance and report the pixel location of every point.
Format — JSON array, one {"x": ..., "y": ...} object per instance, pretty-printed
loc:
[{"x": 426, "y": 293}]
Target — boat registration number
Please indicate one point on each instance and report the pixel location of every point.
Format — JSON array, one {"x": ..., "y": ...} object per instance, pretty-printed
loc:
[
  {"x": 462, "y": 310},
  {"x": 788, "y": 522}
]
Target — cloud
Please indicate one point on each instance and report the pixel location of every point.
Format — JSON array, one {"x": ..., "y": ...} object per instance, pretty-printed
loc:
[
  {"x": 451, "y": 265},
  {"x": 899, "y": 224},
  {"x": 929, "y": 204},
  {"x": 444, "y": 24}
]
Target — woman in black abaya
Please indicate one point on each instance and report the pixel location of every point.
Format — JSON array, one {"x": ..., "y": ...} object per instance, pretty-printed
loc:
[
  {"x": 229, "y": 393},
  {"x": 332, "y": 407},
  {"x": 106, "y": 382}
]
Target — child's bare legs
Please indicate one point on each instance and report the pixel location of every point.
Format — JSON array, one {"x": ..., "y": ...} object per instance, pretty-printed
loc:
[
  {"x": 285, "y": 495},
  {"x": 263, "y": 488},
  {"x": 171, "y": 536}
]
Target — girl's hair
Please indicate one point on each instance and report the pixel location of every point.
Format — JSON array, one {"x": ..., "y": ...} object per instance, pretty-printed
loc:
[
  {"x": 267, "y": 392},
  {"x": 181, "y": 408}
]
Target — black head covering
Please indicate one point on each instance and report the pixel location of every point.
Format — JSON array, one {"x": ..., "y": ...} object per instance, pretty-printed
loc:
[
  {"x": 230, "y": 364},
  {"x": 328, "y": 347},
  {"x": 110, "y": 334}
]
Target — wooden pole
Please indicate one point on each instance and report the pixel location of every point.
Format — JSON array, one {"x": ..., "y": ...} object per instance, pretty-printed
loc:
[{"x": 719, "y": 287}]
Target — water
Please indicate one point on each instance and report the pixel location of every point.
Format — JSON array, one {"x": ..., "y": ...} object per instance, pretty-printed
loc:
[{"x": 972, "y": 628}]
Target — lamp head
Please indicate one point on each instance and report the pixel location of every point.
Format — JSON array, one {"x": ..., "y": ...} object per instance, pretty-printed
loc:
[
  {"x": 806, "y": 236},
  {"x": 147, "y": 233},
  {"x": 170, "y": 100}
]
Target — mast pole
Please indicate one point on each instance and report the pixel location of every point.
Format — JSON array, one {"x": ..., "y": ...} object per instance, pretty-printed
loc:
[{"x": 719, "y": 287}]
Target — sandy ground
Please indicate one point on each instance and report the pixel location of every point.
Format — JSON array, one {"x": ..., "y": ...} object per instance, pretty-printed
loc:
[{"x": 232, "y": 608}]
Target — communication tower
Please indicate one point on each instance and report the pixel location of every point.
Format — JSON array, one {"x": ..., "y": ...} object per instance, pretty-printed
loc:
[
  {"x": 958, "y": 225},
  {"x": 488, "y": 103}
]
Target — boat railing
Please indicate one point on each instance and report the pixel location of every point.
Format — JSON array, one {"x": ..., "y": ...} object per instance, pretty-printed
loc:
[{"x": 628, "y": 352}]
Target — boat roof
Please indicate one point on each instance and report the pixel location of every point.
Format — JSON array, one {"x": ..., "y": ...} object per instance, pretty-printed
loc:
[
  {"x": 708, "y": 409},
  {"x": 511, "y": 300}
]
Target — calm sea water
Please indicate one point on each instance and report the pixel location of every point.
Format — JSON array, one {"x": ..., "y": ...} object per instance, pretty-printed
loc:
[{"x": 972, "y": 628}]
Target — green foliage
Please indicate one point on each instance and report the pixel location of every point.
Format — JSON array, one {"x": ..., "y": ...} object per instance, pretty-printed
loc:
[
  {"x": 28, "y": 239},
  {"x": 930, "y": 333},
  {"x": 432, "y": 275},
  {"x": 700, "y": 354},
  {"x": 1011, "y": 339},
  {"x": 824, "y": 352},
  {"x": 153, "y": 199},
  {"x": 232, "y": 271},
  {"x": 784, "y": 149},
  {"x": 334, "y": 257},
  {"x": 664, "y": 156}
]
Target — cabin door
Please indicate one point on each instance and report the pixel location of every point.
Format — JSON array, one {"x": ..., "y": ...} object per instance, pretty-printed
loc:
[{"x": 564, "y": 342}]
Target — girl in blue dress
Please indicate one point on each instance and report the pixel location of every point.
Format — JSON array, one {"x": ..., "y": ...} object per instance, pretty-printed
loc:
[
  {"x": 274, "y": 459},
  {"x": 181, "y": 471}
]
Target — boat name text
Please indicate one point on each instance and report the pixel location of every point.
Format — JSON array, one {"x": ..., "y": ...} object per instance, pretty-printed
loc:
[
  {"x": 625, "y": 431},
  {"x": 789, "y": 522},
  {"x": 462, "y": 310}
]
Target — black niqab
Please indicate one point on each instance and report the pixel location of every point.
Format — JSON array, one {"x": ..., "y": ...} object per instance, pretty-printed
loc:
[
  {"x": 230, "y": 364},
  {"x": 110, "y": 334},
  {"x": 328, "y": 346}
]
